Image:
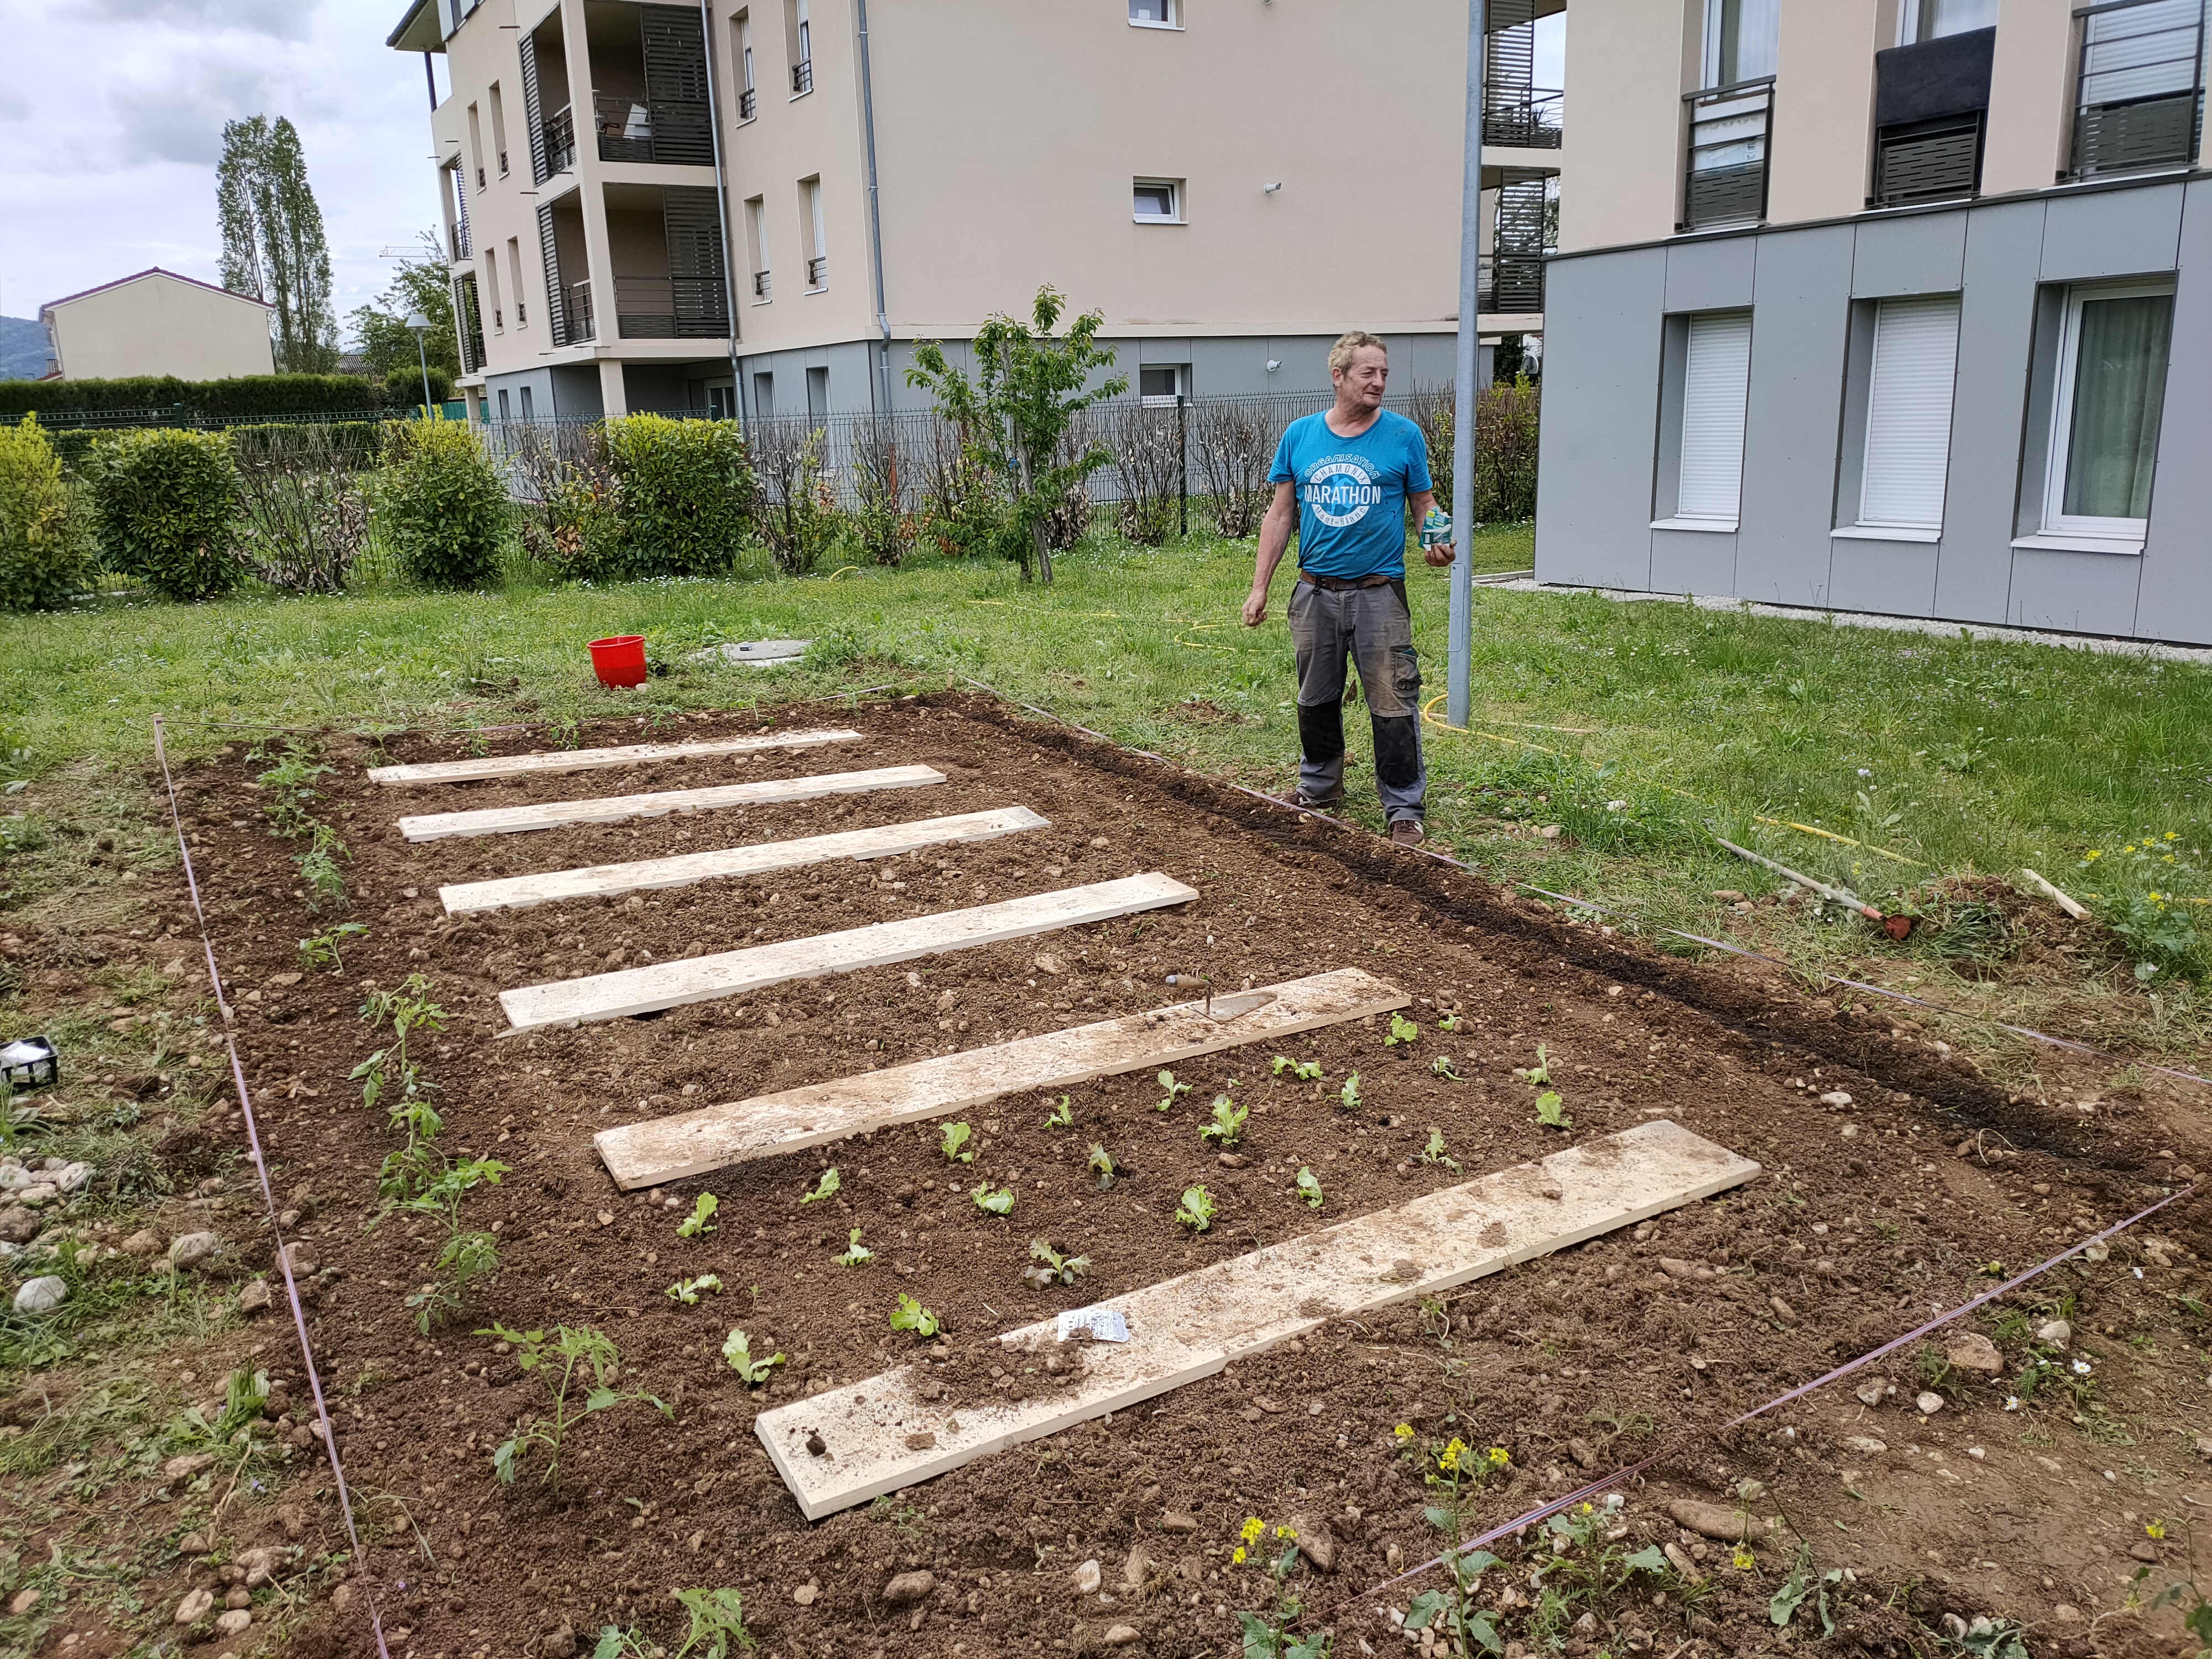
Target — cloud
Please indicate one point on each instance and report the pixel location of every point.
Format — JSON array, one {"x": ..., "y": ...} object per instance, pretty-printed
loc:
[
  {"x": 180, "y": 116},
  {"x": 280, "y": 20}
]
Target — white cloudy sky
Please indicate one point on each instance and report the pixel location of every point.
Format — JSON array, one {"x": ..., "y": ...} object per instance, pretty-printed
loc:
[{"x": 110, "y": 118}]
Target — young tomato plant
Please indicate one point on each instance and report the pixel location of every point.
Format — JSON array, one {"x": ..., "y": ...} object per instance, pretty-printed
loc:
[
  {"x": 466, "y": 1255},
  {"x": 1196, "y": 1210},
  {"x": 826, "y": 1188},
  {"x": 580, "y": 1358},
  {"x": 738, "y": 1350},
  {"x": 718, "y": 1623},
  {"x": 702, "y": 1218},
  {"x": 1050, "y": 1268},
  {"x": 1310, "y": 1188},
  {"x": 953, "y": 1143},
  {"x": 322, "y": 949},
  {"x": 1174, "y": 1090},
  {"x": 911, "y": 1315},
  {"x": 1228, "y": 1125}
]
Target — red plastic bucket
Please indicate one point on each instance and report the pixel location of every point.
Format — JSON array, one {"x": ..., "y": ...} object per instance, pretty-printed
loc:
[{"x": 619, "y": 660}]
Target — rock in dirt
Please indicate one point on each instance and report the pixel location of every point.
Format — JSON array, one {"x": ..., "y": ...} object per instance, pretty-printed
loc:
[
  {"x": 1314, "y": 1540},
  {"x": 184, "y": 1468},
  {"x": 1136, "y": 1568},
  {"x": 255, "y": 1298},
  {"x": 24, "y": 1602},
  {"x": 1782, "y": 1311},
  {"x": 1865, "y": 1444},
  {"x": 1121, "y": 1635},
  {"x": 41, "y": 1295},
  {"x": 2054, "y": 1333},
  {"x": 559, "y": 1644},
  {"x": 1871, "y": 1394},
  {"x": 1087, "y": 1578},
  {"x": 1178, "y": 1520},
  {"x": 1679, "y": 1558},
  {"x": 193, "y": 1543},
  {"x": 1929, "y": 1403},
  {"x": 921, "y": 1442},
  {"x": 1730, "y": 1526},
  {"x": 17, "y": 1225},
  {"x": 2143, "y": 1550},
  {"x": 143, "y": 1243},
  {"x": 1970, "y": 1351},
  {"x": 909, "y": 1587},
  {"x": 195, "y": 1607},
  {"x": 195, "y": 1250},
  {"x": 293, "y": 1520},
  {"x": 1835, "y": 1097},
  {"x": 234, "y": 1622},
  {"x": 805, "y": 1593},
  {"x": 1233, "y": 1161},
  {"x": 1581, "y": 1453}
]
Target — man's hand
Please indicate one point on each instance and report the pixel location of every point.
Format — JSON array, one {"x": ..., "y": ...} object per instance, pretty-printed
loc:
[
  {"x": 1256, "y": 607},
  {"x": 1440, "y": 554}
]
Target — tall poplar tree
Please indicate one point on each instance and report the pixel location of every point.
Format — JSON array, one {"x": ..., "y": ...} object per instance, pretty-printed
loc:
[{"x": 272, "y": 239}]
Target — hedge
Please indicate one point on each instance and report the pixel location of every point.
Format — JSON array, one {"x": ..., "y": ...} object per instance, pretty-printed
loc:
[
  {"x": 165, "y": 499},
  {"x": 243, "y": 398},
  {"x": 47, "y": 551},
  {"x": 440, "y": 504}
]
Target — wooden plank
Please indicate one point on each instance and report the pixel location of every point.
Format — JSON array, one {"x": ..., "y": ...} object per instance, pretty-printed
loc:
[
  {"x": 890, "y": 840},
  {"x": 701, "y": 979},
  {"x": 881, "y": 1435},
  {"x": 693, "y": 1143},
  {"x": 584, "y": 760},
  {"x": 613, "y": 809}
]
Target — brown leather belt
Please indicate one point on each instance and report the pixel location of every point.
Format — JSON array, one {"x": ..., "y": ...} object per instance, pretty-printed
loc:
[{"x": 1345, "y": 584}]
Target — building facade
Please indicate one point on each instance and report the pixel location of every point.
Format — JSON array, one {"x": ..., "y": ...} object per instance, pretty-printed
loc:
[
  {"x": 1893, "y": 305},
  {"x": 760, "y": 208},
  {"x": 157, "y": 323}
]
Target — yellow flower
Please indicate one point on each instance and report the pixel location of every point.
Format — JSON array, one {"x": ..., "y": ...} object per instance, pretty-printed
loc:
[
  {"x": 2172, "y": 835},
  {"x": 1586, "y": 1509},
  {"x": 2155, "y": 1528},
  {"x": 1497, "y": 1458},
  {"x": 1254, "y": 1526},
  {"x": 1404, "y": 1431},
  {"x": 1285, "y": 1532},
  {"x": 1237, "y": 1559},
  {"x": 2092, "y": 854},
  {"x": 1745, "y": 1560},
  {"x": 1447, "y": 1459}
]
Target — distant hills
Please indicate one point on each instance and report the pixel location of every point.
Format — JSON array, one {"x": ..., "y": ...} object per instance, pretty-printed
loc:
[{"x": 22, "y": 349}]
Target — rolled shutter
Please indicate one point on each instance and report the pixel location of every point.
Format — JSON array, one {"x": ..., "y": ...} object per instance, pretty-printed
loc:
[
  {"x": 539, "y": 174},
  {"x": 1715, "y": 380},
  {"x": 557, "y": 309},
  {"x": 1908, "y": 435}
]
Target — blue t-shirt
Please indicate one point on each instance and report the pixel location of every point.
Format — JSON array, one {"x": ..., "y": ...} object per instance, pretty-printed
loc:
[{"x": 1352, "y": 493}]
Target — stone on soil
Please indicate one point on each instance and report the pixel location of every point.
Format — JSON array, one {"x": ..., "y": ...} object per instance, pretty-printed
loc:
[
  {"x": 1929, "y": 1403},
  {"x": 41, "y": 1295},
  {"x": 2054, "y": 1333},
  {"x": 1087, "y": 1578},
  {"x": 1871, "y": 1394},
  {"x": 1314, "y": 1540},
  {"x": 192, "y": 1250},
  {"x": 1176, "y": 1521},
  {"x": 17, "y": 1225},
  {"x": 1121, "y": 1635},
  {"x": 1970, "y": 1351},
  {"x": 561, "y": 1644},
  {"x": 195, "y": 1607},
  {"x": 1731, "y": 1525},
  {"x": 1136, "y": 1568},
  {"x": 184, "y": 1468},
  {"x": 804, "y": 1594},
  {"x": 144, "y": 1242},
  {"x": 255, "y": 1298},
  {"x": 909, "y": 1587}
]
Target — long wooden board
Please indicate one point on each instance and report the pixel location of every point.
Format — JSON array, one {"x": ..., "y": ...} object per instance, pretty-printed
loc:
[
  {"x": 887, "y": 841},
  {"x": 880, "y": 1435},
  {"x": 693, "y": 1143},
  {"x": 614, "y": 809},
  {"x": 584, "y": 760},
  {"x": 701, "y": 979}
]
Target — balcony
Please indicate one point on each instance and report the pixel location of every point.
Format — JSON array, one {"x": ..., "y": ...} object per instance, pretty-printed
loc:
[
  {"x": 664, "y": 245},
  {"x": 1510, "y": 282},
  {"x": 748, "y": 104},
  {"x": 480, "y": 180},
  {"x": 1726, "y": 155},
  {"x": 1523, "y": 118},
  {"x": 1931, "y": 107},
  {"x": 670, "y": 308},
  {"x": 802, "y": 77},
  {"x": 665, "y": 130},
  {"x": 817, "y": 272},
  {"x": 560, "y": 143},
  {"x": 2141, "y": 103}
]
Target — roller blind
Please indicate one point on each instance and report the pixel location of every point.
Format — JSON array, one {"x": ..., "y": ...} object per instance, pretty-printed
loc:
[
  {"x": 1908, "y": 435},
  {"x": 1714, "y": 381}
]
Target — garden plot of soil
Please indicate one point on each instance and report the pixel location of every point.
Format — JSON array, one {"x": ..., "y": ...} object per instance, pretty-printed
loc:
[{"x": 1866, "y": 1220}]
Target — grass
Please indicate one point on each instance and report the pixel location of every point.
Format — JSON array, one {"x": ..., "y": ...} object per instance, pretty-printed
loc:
[{"x": 1631, "y": 725}]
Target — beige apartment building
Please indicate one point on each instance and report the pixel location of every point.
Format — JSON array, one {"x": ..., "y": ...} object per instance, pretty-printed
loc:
[
  {"x": 758, "y": 209},
  {"x": 1890, "y": 305}
]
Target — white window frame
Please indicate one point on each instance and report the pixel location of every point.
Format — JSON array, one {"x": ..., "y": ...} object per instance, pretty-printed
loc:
[
  {"x": 1174, "y": 188},
  {"x": 1157, "y": 400},
  {"x": 1173, "y": 13},
  {"x": 1706, "y": 521},
  {"x": 1908, "y": 33},
  {"x": 1714, "y": 13},
  {"x": 2126, "y": 533},
  {"x": 812, "y": 188},
  {"x": 745, "y": 56},
  {"x": 1903, "y": 528}
]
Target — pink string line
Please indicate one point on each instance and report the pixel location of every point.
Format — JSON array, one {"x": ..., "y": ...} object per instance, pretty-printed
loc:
[
  {"x": 328, "y": 1430},
  {"x": 1603, "y": 911},
  {"x": 1583, "y": 1493}
]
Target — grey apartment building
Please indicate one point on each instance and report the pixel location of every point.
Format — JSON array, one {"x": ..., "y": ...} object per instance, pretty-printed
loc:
[{"x": 1889, "y": 305}]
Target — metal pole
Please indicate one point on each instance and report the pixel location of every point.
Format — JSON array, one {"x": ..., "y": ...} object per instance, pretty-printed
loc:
[
  {"x": 422, "y": 356},
  {"x": 875, "y": 216},
  {"x": 722, "y": 209},
  {"x": 1458, "y": 698},
  {"x": 1182, "y": 467}
]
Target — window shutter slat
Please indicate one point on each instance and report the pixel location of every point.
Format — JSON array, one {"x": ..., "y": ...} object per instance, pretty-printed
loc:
[
  {"x": 1715, "y": 383},
  {"x": 1908, "y": 436}
]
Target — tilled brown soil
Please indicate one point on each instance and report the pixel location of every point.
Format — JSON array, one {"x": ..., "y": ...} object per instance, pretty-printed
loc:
[{"x": 1867, "y": 1218}]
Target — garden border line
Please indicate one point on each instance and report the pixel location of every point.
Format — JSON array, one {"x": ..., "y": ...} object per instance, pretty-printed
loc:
[
  {"x": 328, "y": 1430},
  {"x": 607, "y": 756},
  {"x": 1583, "y": 1493},
  {"x": 1673, "y": 932},
  {"x": 522, "y": 725}
]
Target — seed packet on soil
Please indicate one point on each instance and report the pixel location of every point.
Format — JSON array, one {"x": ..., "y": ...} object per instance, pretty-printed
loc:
[{"x": 1099, "y": 1324}]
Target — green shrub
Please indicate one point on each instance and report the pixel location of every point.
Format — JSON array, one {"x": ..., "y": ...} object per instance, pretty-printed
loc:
[
  {"x": 166, "y": 499},
  {"x": 45, "y": 523},
  {"x": 243, "y": 397},
  {"x": 684, "y": 493},
  {"x": 439, "y": 504}
]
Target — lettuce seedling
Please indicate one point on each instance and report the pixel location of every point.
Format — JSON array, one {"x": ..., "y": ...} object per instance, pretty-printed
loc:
[
  {"x": 1541, "y": 1072},
  {"x": 1306, "y": 1071},
  {"x": 1228, "y": 1122},
  {"x": 702, "y": 1218},
  {"x": 1000, "y": 1202},
  {"x": 686, "y": 1290},
  {"x": 1051, "y": 1267},
  {"x": 953, "y": 1143},
  {"x": 1062, "y": 1117},
  {"x": 737, "y": 1349},
  {"x": 1174, "y": 1090},
  {"x": 1443, "y": 1067},
  {"x": 825, "y": 1188},
  {"x": 1401, "y": 1030},
  {"x": 1550, "y": 1112},
  {"x": 911, "y": 1315},
  {"x": 1350, "y": 1093},
  {"x": 1434, "y": 1151},
  {"x": 1451, "y": 1023},
  {"x": 857, "y": 1255},
  {"x": 1310, "y": 1188},
  {"x": 1196, "y": 1210},
  {"x": 1103, "y": 1165}
]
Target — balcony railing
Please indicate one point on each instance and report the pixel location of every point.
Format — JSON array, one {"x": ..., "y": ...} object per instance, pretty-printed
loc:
[
  {"x": 670, "y": 308},
  {"x": 818, "y": 271},
  {"x": 502, "y": 164},
  {"x": 521, "y": 317},
  {"x": 662, "y": 130},
  {"x": 480, "y": 180},
  {"x": 624, "y": 126},
  {"x": 576, "y": 301},
  {"x": 802, "y": 75},
  {"x": 561, "y": 142},
  {"x": 759, "y": 285},
  {"x": 1523, "y": 118},
  {"x": 460, "y": 234},
  {"x": 1726, "y": 169},
  {"x": 1510, "y": 282},
  {"x": 748, "y": 104},
  {"x": 2141, "y": 97}
]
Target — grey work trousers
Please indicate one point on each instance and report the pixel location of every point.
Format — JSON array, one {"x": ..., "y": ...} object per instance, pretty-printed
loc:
[{"x": 1373, "y": 627}]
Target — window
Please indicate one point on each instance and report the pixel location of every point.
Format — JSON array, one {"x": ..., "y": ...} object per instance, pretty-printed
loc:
[
  {"x": 2140, "y": 91},
  {"x": 1931, "y": 19},
  {"x": 2112, "y": 350},
  {"x": 1715, "y": 378},
  {"x": 817, "y": 394},
  {"x": 498, "y": 128},
  {"x": 764, "y": 396},
  {"x": 756, "y": 245},
  {"x": 504, "y": 414},
  {"x": 799, "y": 32},
  {"x": 1154, "y": 14},
  {"x": 475, "y": 145},
  {"x": 526, "y": 403},
  {"x": 817, "y": 262},
  {"x": 514, "y": 276},
  {"x": 1163, "y": 383},
  {"x": 748, "y": 95},
  {"x": 1742, "y": 40},
  {"x": 491, "y": 286},
  {"x": 1159, "y": 201},
  {"x": 1908, "y": 421}
]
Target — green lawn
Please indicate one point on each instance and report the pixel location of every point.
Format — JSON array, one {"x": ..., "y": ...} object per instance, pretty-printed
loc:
[{"x": 1631, "y": 724}]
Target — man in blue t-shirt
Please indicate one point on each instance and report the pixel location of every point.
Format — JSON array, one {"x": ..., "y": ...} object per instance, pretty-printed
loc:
[{"x": 1346, "y": 476}]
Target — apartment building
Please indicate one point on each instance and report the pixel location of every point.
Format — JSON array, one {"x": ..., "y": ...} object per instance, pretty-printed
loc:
[
  {"x": 758, "y": 209},
  {"x": 1891, "y": 306}
]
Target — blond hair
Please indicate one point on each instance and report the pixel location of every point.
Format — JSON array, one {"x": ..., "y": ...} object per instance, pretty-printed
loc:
[{"x": 1348, "y": 344}]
